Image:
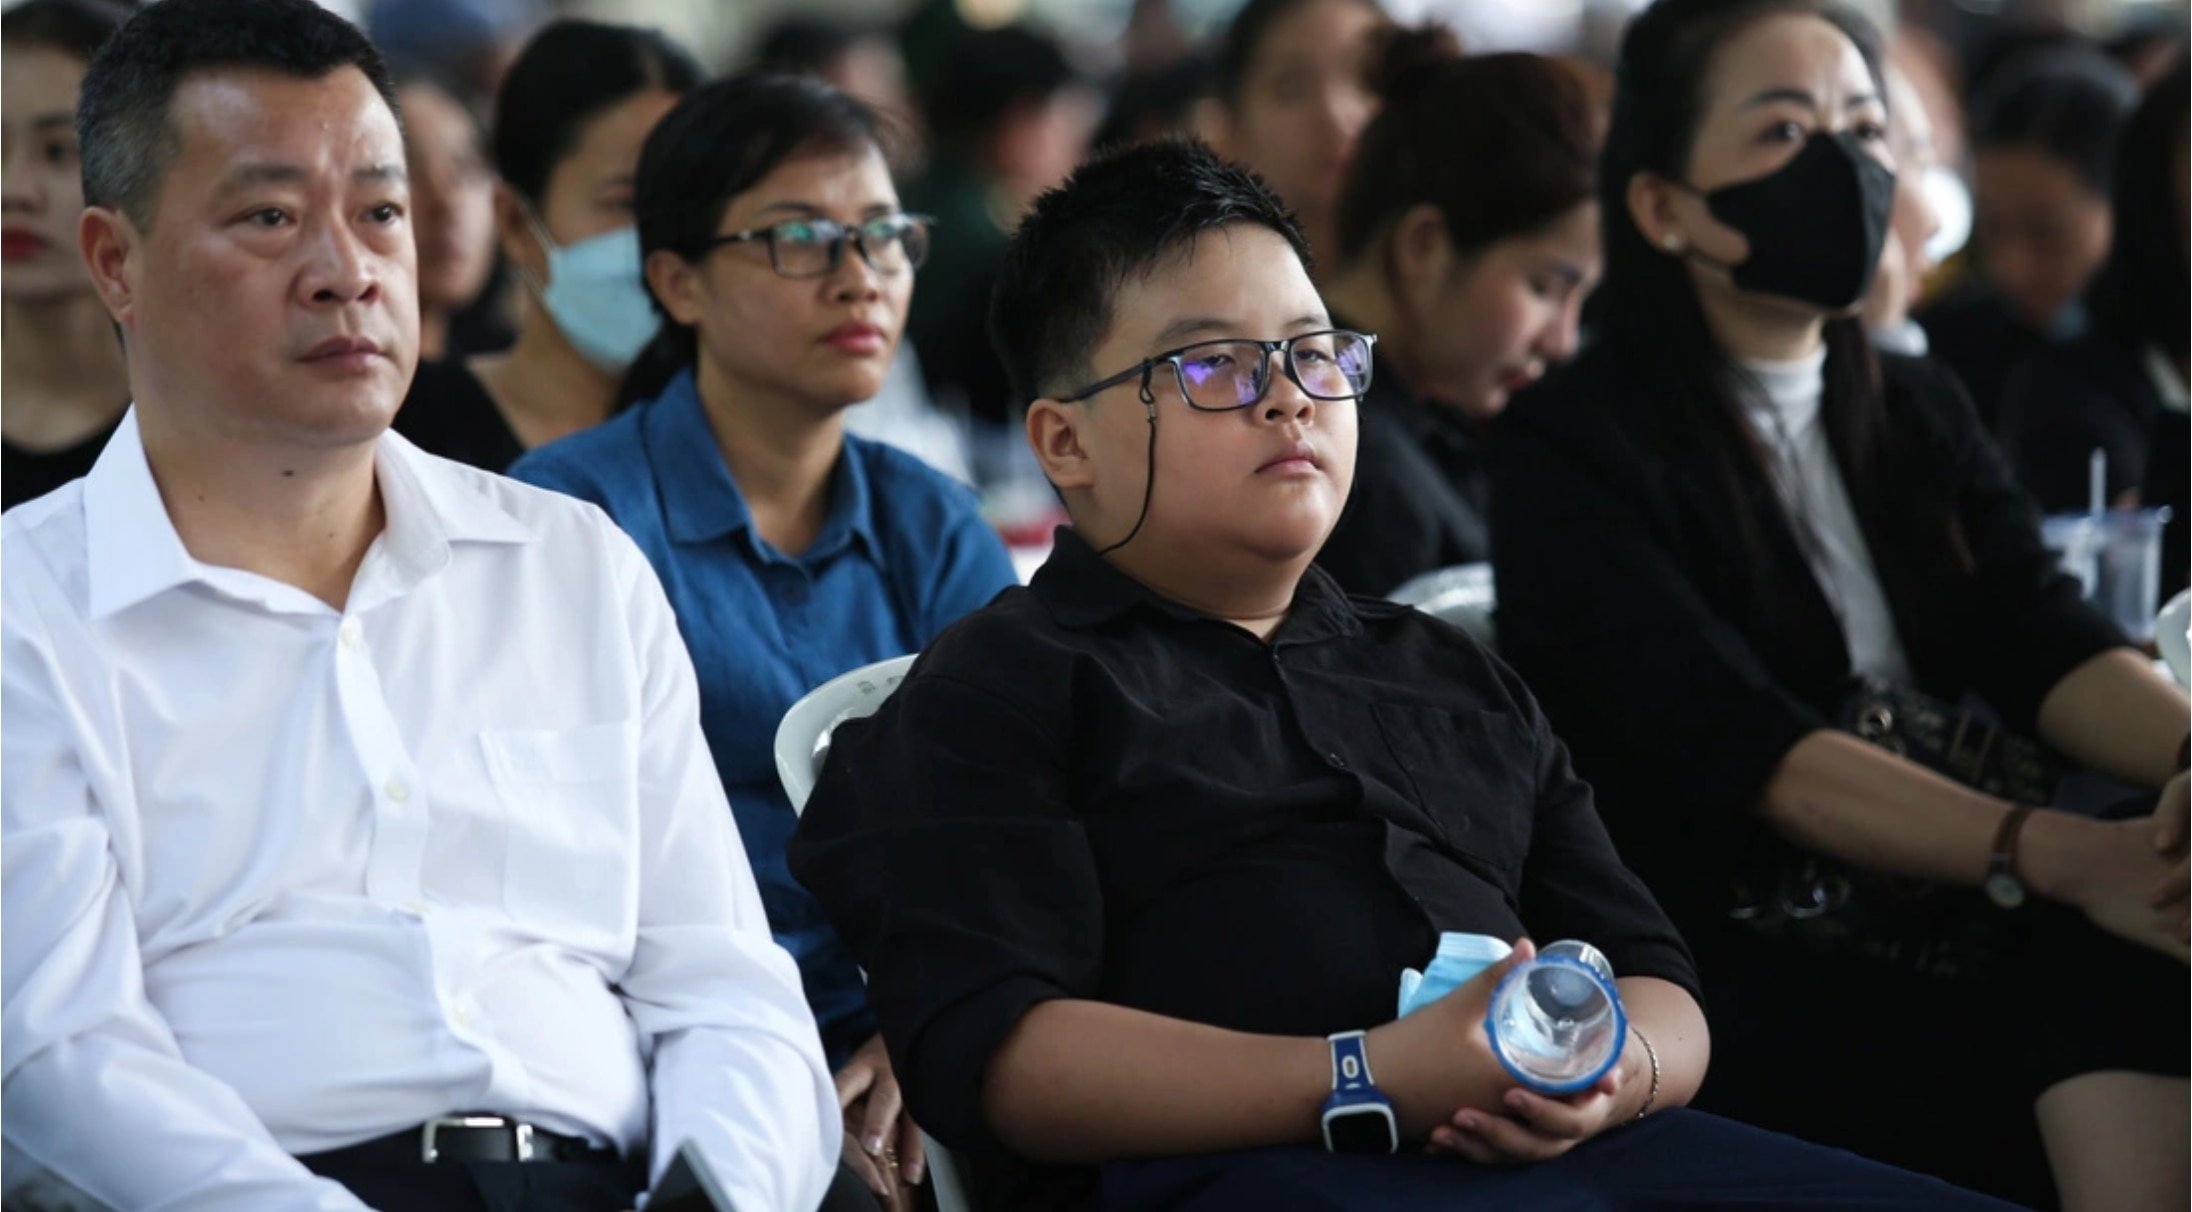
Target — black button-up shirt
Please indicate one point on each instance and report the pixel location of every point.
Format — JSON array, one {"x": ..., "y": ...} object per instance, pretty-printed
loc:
[{"x": 1085, "y": 790}]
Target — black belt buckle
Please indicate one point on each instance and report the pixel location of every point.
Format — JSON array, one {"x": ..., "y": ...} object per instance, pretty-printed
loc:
[{"x": 517, "y": 1133}]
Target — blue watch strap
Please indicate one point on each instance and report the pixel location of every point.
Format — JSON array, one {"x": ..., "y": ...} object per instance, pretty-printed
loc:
[
  {"x": 1350, "y": 1064},
  {"x": 1357, "y": 1117}
]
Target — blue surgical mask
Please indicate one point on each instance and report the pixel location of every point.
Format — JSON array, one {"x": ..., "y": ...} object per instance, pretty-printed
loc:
[
  {"x": 598, "y": 296},
  {"x": 2068, "y": 323},
  {"x": 1459, "y": 959}
]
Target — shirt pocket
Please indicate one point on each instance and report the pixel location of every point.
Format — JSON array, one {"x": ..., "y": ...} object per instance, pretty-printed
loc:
[
  {"x": 1472, "y": 773},
  {"x": 569, "y": 800}
]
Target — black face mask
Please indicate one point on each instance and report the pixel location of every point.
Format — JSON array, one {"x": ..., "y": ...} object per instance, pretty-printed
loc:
[{"x": 1815, "y": 225}]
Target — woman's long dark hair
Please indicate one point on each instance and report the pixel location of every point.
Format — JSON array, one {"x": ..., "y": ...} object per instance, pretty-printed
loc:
[
  {"x": 2067, "y": 101},
  {"x": 565, "y": 77},
  {"x": 77, "y": 28},
  {"x": 1527, "y": 155},
  {"x": 2141, "y": 297},
  {"x": 1650, "y": 313},
  {"x": 719, "y": 142}
]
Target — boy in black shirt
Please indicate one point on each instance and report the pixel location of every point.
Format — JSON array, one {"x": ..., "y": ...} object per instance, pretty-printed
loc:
[{"x": 1129, "y": 844}]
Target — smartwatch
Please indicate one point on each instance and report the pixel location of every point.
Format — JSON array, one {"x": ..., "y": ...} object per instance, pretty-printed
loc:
[{"x": 1358, "y": 1118}]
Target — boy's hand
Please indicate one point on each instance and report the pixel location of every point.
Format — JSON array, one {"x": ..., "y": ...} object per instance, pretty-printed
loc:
[
  {"x": 1534, "y": 1127},
  {"x": 1439, "y": 1059}
]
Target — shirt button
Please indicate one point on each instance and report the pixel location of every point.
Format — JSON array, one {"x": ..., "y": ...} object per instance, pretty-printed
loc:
[
  {"x": 397, "y": 791},
  {"x": 463, "y": 1015},
  {"x": 415, "y": 908},
  {"x": 350, "y": 634},
  {"x": 1338, "y": 762}
]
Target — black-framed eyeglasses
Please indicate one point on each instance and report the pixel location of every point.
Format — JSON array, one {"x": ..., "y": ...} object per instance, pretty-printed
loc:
[
  {"x": 814, "y": 248},
  {"x": 1220, "y": 376}
]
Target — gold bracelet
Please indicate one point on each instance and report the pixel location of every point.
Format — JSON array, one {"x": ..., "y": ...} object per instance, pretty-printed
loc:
[{"x": 1651, "y": 1096}]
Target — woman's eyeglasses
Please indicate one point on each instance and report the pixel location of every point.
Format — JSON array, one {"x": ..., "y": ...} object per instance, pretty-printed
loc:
[{"x": 814, "y": 248}]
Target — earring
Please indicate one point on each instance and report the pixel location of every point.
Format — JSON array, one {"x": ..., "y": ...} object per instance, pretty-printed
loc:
[{"x": 1672, "y": 242}]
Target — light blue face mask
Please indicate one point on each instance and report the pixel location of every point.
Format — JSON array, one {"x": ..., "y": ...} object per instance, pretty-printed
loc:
[
  {"x": 2068, "y": 323},
  {"x": 598, "y": 297}
]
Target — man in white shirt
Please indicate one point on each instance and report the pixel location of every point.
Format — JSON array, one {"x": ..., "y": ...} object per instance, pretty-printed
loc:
[{"x": 357, "y": 818}]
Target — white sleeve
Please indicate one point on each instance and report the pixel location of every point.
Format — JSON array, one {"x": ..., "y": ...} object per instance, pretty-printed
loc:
[
  {"x": 737, "y": 1060},
  {"x": 97, "y": 1094}
]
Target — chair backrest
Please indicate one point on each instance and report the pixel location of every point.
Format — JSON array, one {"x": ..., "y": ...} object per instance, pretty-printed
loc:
[
  {"x": 803, "y": 738},
  {"x": 1462, "y": 594},
  {"x": 2171, "y": 637},
  {"x": 802, "y": 742}
]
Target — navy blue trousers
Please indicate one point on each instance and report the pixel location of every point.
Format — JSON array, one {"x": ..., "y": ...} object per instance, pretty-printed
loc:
[{"x": 1676, "y": 1159}]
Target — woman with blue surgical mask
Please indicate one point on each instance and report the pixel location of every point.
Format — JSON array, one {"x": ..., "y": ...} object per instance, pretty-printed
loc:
[{"x": 570, "y": 119}]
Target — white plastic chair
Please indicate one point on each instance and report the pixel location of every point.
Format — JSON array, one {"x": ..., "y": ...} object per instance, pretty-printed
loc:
[
  {"x": 802, "y": 742},
  {"x": 2171, "y": 638},
  {"x": 803, "y": 738},
  {"x": 1461, "y": 594}
]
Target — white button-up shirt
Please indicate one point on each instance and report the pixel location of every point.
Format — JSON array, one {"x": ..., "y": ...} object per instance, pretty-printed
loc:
[{"x": 280, "y": 878}]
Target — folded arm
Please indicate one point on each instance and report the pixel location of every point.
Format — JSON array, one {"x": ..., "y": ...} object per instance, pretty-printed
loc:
[
  {"x": 98, "y": 1093},
  {"x": 737, "y": 1062}
]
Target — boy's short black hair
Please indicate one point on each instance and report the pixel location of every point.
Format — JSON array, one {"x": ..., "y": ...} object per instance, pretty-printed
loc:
[
  {"x": 1120, "y": 214},
  {"x": 122, "y": 111}
]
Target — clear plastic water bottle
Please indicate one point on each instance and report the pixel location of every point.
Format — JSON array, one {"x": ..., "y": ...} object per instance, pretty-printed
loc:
[{"x": 1556, "y": 1022}]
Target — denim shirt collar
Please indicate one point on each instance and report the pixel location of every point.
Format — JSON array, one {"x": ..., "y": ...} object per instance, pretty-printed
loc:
[{"x": 703, "y": 504}]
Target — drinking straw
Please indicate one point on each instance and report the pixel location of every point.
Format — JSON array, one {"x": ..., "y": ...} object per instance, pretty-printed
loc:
[{"x": 2096, "y": 481}]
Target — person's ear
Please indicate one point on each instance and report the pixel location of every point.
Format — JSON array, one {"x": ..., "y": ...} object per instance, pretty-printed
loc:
[
  {"x": 1054, "y": 433},
  {"x": 1422, "y": 256},
  {"x": 521, "y": 245},
  {"x": 109, "y": 242},
  {"x": 1211, "y": 121},
  {"x": 1650, "y": 200},
  {"x": 1016, "y": 140},
  {"x": 1674, "y": 220},
  {"x": 676, "y": 282}
]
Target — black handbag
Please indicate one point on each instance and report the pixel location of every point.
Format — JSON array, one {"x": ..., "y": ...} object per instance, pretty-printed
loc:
[{"x": 1790, "y": 895}]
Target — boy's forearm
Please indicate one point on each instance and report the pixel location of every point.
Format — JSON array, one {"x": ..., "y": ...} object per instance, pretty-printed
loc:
[
  {"x": 1080, "y": 1082},
  {"x": 1667, "y": 1015}
]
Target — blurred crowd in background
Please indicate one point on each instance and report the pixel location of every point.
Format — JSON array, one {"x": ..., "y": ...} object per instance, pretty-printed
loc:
[{"x": 2008, "y": 114}]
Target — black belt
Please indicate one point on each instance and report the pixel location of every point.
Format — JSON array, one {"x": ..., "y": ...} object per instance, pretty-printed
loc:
[{"x": 465, "y": 1138}]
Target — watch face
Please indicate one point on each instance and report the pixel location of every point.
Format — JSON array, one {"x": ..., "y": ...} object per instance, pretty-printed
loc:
[
  {"x": 2005, "y": 890},
  {"x": 1364, "y": 1129}
]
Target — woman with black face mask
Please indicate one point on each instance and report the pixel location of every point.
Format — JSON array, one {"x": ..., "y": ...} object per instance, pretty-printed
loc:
[{"x": 1757, "y": 574}]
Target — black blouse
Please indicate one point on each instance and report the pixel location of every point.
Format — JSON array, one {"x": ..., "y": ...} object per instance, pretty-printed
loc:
[
  {"x": 1974, "y": 332},
  {"x": 2065, "y": 400},
  {"x": 449, "y": 413},
  {"x": 26, "y": 475},
  {"x": 2169, "y": 482},
  {"x": 1421, "y": 495},
  {"x": 1087, "y": 791},
  {"x": 1682, "y": 646}
]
